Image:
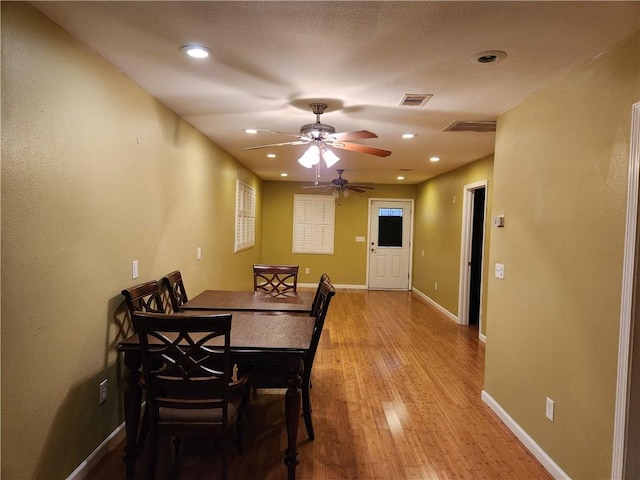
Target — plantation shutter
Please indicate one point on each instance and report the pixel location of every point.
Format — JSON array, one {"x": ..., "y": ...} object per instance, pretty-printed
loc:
[
  {"x": 313, "y": 224},
  {"x": 245, "y": 216}
]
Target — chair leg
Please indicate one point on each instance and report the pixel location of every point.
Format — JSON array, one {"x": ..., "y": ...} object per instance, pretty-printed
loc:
[
  {"x": 142, "y": 435},
  {"x": 152, "y": 461},
  {"x": 223, "y": 456},
  {"x": 177, "y": 444},
  {"x": 306, "y": 408}
]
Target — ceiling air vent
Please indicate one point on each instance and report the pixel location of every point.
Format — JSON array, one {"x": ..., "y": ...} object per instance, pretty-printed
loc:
[
  {"x": 471, "y": 126},
  {"x": 415, "y": 99}
]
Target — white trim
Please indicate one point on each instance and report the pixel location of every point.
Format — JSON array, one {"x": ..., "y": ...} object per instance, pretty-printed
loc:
[
  {"x": 528, "y": 442},
  {"x": 315, "y": 285},
  {"x": 626, "y": 307},
  {"x": 482, "y": 337},
  {"x": 465, "y": 251},
  {"x": 98, "y": 454},
  {"x": 433, "y": 303}
]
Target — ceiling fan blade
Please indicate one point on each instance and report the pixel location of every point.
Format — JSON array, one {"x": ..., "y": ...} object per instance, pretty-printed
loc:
[
  {"x": 262, "y": 130},
  {"x": 347, "y": 136},
  {"x": 295, "y": 142},
  {"x": 362, "y": 187},
  {"x": 315, "y": 186},
  {"x": 355, "y": 147}
]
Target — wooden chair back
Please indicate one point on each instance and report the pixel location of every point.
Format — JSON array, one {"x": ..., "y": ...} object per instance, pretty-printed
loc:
[
  {"x": 175, "y": 288},
  {"x": 325, "y": 293},
  {"x": 275, "y": 278},
  {"x": 324, "y": 278},
  {"x": 144, "y": 298},
  {"x": 185, "y": 394}
]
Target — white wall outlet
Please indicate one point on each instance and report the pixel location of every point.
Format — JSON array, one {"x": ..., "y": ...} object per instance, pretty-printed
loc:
[
  {"x": 500, "y": 271},
  {"x": 306, "y": 270},
  {"x": 199, "y": 253},
  {"x": 134, "y": 269},
  {"x": 549, "y": 409},
  {"x": 102, "y": 388},
  {"x": 436, "y": 286},
  {"x": 360, "y": 239}
]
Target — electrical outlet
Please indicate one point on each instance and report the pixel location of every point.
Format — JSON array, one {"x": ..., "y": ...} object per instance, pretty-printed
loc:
[
  {"x": 549, "y": 409},
  {"x": 306, "y": 270},
  {"x": 500, "y": 271},
  {"x": 102, "y": 392},
  {"x": 134, "y": 269},
  {"x": 199, "y": 253},
  {"x": 436, "y": 286}
]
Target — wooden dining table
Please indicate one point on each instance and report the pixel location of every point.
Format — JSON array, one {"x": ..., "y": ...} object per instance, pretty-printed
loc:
[
  {"x": 287, "y": 302},
  {"x": 256, "y": 339}
]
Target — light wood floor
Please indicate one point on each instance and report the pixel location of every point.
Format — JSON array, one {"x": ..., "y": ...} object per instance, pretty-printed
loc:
[{"x": 396, "y": 395}]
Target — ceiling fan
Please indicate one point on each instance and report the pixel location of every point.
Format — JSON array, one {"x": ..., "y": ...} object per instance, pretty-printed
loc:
[
  {"x": 341, "y": 186},
  {"x": 320, "y": 136}
]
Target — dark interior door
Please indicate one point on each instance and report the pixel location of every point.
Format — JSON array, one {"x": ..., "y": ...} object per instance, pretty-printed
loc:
[{"x": 477, "y": 241}]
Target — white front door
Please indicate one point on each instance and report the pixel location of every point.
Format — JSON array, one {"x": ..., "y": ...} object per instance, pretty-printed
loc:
[{"x": 390, "y": 228}]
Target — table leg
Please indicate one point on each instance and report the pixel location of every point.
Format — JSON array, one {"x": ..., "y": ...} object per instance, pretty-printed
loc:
[
  {"x": 132, "y": 399},
  {"x": 292, "y": 415}
]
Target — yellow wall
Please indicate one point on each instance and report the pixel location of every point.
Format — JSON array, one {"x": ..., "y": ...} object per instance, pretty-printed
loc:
[
  {"x": 438, "y": 233},
  {"x": 347, "y": 266},
  {"x": 560, "y": 178},
  {"x": 81, "y": 199}
]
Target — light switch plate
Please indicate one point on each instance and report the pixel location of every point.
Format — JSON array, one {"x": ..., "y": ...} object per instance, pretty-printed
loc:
[{"x": 134, "y": 269}]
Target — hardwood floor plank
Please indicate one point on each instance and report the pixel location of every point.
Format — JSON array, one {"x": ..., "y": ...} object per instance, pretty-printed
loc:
[{"x": 396, "y": 396}]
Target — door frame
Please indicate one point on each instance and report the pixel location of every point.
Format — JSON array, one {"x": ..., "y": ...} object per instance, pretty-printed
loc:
[
  {"x": 465, "y": 251},
  {"x": 627, "y": 313},
  {"x": 412, "y": 202}
]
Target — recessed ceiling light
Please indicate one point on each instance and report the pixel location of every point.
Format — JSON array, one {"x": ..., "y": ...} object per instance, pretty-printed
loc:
[
  {"x": 252, "y": 131},
  {"x": 284, "y": 174},
  {"x": 408, "y": 135},
  {"x": 196, "y": 50},
  {"x": 434, "y": 159},
  {"x": 489, "y": 56},
  {"x": 271, "y": 155},
  {"x": 400, "y": 177}
]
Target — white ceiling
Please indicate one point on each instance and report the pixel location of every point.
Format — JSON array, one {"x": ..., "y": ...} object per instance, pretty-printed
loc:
[{"x": 270, "y": 60}]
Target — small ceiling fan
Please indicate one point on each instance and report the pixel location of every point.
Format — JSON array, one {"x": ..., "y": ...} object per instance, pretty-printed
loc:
[
  {"x": 341, "y": 186},
  {"x": 321, "y": 136}
]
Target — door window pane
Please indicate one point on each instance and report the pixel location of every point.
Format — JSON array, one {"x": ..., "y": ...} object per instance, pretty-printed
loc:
[{"x": 390, "y": 227}]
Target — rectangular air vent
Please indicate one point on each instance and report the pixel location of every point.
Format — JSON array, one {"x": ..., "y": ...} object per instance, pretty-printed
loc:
[
  {"x": 415, "y": 99},
  {"x": 471, "y": 126}
]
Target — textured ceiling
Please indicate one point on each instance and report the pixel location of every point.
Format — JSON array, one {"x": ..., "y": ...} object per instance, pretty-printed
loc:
[{"x": 270, "y": 60}]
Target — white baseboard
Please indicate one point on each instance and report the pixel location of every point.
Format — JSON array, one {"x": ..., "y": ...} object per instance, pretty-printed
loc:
[
  {"x": 528, "y": 442},
  {"x": 482, "y": 337},
  {"x": 315, "y": 285},
  {"x": 94, "y": 457},
  {"x": 436, "y": 305}
]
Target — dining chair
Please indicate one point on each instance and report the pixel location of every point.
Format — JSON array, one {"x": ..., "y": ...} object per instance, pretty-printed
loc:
[
  {"x": 275, "y": 278},
  {"x": 175, "y": 288},
  {"x": 186, "y": 396},
  {"x": 144, "y": 298},
  {"x": 268, "y": 376},
  {"x": 324, "y": 278}
]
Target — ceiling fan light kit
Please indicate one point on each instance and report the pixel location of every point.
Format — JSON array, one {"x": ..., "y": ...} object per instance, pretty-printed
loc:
[{"x": 321, "y": 135}]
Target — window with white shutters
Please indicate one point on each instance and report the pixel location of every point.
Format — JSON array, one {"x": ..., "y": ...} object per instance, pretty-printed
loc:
[
  {"x": 245, "y": 216},
  {"x": 313, "y": 223}
]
